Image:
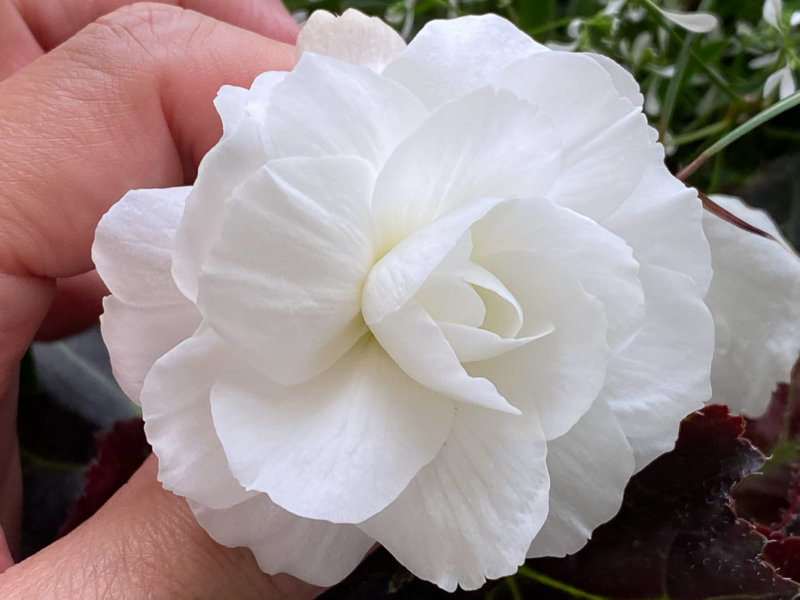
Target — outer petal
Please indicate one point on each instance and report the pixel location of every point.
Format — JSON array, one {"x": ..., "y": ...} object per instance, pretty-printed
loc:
[
  {"x": 133, "y": 244},
  {"x": 449, "y": 59},
  {"x": 330, "y": 108},
  {"x": 340, "y": 447},
  {"x": 137, "y": 336},
  {"x": 175, "y": 407},
  {"x": 755, "y": 300},
  {"x": 662, "y": 221},
  {"x": 353, "y": 38},
  {"x": 543, "y": 376},
  {"x": 623, "y": 81},
  {"x": 147, "y": 315},
  {"x": 664, "y": 371},
  {"x": 509, "y": 149},
  {"x": 235, "y": 104},
  {"x": 292, "y": 257},
  {"x": 472, "y": 512},
  {"x": 318, "y": 552},
  {"x": 237, "y": 156},
  {"x": 589, "y": 468},
  {"x": 605, "y": 138}
]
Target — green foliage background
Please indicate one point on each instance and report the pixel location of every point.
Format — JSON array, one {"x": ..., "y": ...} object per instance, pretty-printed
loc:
[{"x": 698, "y": 87}]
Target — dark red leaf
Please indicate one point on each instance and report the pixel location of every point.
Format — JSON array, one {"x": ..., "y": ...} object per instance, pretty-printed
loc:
[
  {"x": 772, "y": 499},
  {"x": 676, "y": 536},
  {"x": 784, "y": 555}
]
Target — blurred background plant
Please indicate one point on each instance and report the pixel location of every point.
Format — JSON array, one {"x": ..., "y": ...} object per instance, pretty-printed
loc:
[{"x": 702, "y": 75}]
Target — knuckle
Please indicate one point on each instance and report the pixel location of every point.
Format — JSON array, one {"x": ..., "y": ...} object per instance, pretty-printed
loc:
[
  {"x": 151, "y": 26},
  {"x": 140, "y": 19}
]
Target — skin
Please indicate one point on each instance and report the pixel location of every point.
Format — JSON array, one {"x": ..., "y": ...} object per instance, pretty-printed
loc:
[{"x": 97, "y": 98}]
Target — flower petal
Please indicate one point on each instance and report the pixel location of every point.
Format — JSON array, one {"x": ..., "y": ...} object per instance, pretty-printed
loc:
[
  {"x": 542, "y": 376},
  {"x": 449, "y": 59},
  {"x": 664, "y": 371},
  {"x": 662, "y": 221},
  {"x": 133, "y": 245},
  {"x": 772, "y": 12},
  {"x": 602, "y": 261},
  {"x": 472, "y": 343},
  {"x": 471, "y": 513},
  {"x": 419, "y": 347},
  {"x": 622, "y": 80},
  {"x": 353, "y": 38},
  {"x": 606, "y": 143},
  {"x": 237, "y": 156},
  {"x": 318, "y": 552},
  {"x": 339, "y": 447},
  {"x": 755, "y": 300},
  {"x": 509, "y": 149},
  {"x": 137, "y": 336},
  {"x": 696, "y": 22},
  {"x": 404, "y": 329},
  {"x": 403, "y": 271},
  {"x": 330, "y": 108},
  {"x": 292, "y": 257},
  {"x": 235, "y": 104},
  {"x": 589, "y": 468},
  {"x": 175, "y": 407}
]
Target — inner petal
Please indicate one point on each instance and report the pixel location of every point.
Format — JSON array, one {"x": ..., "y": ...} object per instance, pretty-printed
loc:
[
  {"x": 451, "y": 299},
  {"x": 503, "y": 313},
  {"x": 473, "y": 343}
]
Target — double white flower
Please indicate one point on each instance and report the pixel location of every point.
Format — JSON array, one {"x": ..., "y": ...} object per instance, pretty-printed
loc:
[{"x": 446, "y": 297}]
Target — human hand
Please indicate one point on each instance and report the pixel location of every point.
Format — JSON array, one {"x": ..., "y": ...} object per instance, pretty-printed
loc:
[{"x": 124, "y": 103}]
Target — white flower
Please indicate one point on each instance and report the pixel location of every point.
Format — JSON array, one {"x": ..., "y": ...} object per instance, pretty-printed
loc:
[
  {"x": 782, "y": 80},
  {"x": 772, "y": 12},
  {"x": 755, "y": 297},
  {"x": 696, "y": 22},
  {"x": 446, "y": 297}
]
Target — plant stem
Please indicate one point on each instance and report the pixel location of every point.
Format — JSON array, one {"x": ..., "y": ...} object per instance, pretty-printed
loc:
[
  {"x": 743, "y": 129},
  {"x": 526, "y": 571},
  {"x": 676, "y": 83},
  {"x": 698, "y": 134}
]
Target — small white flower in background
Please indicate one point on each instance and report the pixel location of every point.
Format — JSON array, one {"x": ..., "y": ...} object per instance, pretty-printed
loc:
[
  {"x": 444, "y": 296},
  {"x": 771, "y": 12},
  {"x": 783, "y": 78},
  {"x": 696, "y": 22}
]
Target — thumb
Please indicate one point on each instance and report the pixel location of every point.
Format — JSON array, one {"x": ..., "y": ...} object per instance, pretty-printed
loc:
[{"x": 145, "y": 542}]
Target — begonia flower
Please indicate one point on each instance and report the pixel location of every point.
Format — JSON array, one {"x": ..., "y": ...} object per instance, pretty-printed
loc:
[{"x": 445, "y": 297}]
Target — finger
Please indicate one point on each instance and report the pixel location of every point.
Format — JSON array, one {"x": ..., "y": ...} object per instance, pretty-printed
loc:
[
  {"x": 145, "y": 541},
  {"x": 5, "y": 554},
  {"x": 126, "y": 103},
  {"x": 77, "y": 305},
  {"x": 18, "y": 47},
  {"x": 30, "y": 28}
]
